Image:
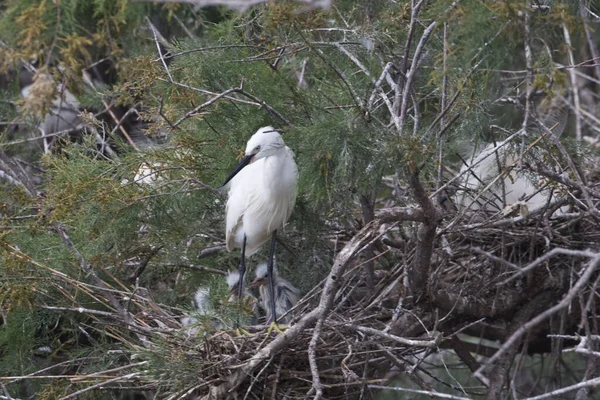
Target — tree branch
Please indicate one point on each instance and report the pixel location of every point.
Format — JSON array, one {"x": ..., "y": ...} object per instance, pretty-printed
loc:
[{"x": 526, "y": 327}]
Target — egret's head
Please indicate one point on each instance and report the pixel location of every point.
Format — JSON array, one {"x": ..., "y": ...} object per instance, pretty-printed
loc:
[
  {"x": 233, "y": 280},
  {"x": 262, "y": 276},
  {"x": 263, "y": 143}
]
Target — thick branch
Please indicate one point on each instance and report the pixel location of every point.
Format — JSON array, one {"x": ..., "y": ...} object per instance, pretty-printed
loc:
[
  {"x": 556, "y": 393},
  {"x": 574, "y": 83},
  {"x": 418, "y": 273},
  {"x": 393, "y": 214},
  {"x": 359, "y": 242}
]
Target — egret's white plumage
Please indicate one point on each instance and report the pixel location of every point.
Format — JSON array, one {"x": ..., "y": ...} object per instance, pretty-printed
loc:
[
  {"x": 203, "y": 301},
  {"x": 286, "y": 295},
  {"x": 204, "y": 309},
  {"x": 262, "y": 194},
  {"x": 148, "y": 174},
  {"x": 492, "y": 167},
  {"x": 233, "y": 281}
]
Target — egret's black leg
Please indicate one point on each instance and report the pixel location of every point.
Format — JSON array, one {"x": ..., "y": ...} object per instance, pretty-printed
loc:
[
  {"x": 242, "y": 270},
  {"x": 270, "y": 276}
]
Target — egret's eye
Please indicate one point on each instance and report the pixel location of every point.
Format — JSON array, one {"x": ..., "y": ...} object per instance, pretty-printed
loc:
[{"x": 257, "y": 149}]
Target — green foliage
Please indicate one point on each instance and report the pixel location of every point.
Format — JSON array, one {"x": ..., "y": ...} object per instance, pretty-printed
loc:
[
  {"x": 19, "y": 335},
  {"x": 71, "y": 27}
]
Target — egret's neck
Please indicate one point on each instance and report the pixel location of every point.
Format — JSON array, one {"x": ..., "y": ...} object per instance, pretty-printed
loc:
[
  {"x": 272, "y": 166},
  {"x": 275, "y": 171}
]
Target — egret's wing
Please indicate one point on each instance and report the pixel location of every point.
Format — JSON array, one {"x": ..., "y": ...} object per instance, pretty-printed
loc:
[
  {"x": 292, "y": 202},
  {"x": 293, "y": 175},
  {"x": 265, "y": 301},
  {"x": 291, "y": 293},
  {"x": 260, "y": 207},
  {"x": 287, "y": 297},
  {"x": 237, "y": 203},
  {"x": 245, "y": 199}
]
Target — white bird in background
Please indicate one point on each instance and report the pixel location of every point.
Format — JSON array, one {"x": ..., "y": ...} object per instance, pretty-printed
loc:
[
  {"x": 262, "y": 194},
  {"x": 286, "y": 295},
  {"x": 203, "y": 301},
  {"x": 63, "y": 113},
  {"x": 508, "y": 187},
  {"x": 204, "y": 307},
  {"x": 148, "y": 174}
]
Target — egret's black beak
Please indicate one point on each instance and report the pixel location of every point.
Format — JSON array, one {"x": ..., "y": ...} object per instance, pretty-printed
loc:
[{"x": 245, "y": 161}]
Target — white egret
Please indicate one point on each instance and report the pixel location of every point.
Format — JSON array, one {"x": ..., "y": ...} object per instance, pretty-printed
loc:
[
  {"x": 286, "y": 295},
  {"x": 262, "y": 194},
  {"x": 508, "y": 187}
]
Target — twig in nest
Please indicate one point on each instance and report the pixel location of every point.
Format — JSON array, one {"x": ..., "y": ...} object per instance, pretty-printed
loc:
[
  {"x": 432, "y": 343},
  {"x": 428, "y": 393},
  {"x": 561, "y": 391}
]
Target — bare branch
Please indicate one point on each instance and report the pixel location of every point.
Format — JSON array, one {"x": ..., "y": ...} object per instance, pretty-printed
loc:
[
  {"x": 267, "y": 107},
  {"x": 558, "y": 392},
  {"x": 432, "y": 343},
  {"x": 202, "y": 106},
  {"x": 574, "y": 85},
  {"x": 526, "y": 327},
  {"x": 196, "y": 267},
  {"x": 545, "y": 257},
  {"x": 411, "y": 75},
  {"x": 16, "y": 174},
  {"x": 528, "y": 81},
  {"x": 584, "y": 12},
  {"x": 80, "y": 310},
  {"x": 425, "y": 392},
  {"x": 101, "y": 384},
  {"x": 160, "y": 54}
]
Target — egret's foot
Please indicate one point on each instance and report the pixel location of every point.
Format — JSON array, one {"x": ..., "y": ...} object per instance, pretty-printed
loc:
[
  {"x": 248, "y": 305},
  {"x": 277, "y": 328},
  {"x": 242, "y": 332},
  {"x": 273, "y": 327}
]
